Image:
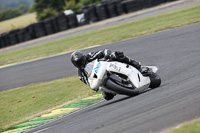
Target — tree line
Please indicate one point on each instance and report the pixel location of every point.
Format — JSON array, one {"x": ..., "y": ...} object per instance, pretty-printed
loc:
[
  {"x": 13, "y": 8},
  {"x": 49, "y": 8}
]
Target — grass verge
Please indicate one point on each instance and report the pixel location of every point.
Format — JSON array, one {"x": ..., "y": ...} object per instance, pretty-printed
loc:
[
  {"x": 189, "y": 127},
  {"x": 18, "y": 22},
  {"x": 99, "y": 37},
  {"x": 24, "y": 103}
]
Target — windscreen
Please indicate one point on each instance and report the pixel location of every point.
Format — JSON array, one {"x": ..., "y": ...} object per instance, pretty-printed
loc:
[{"x": 89, "y": 68}]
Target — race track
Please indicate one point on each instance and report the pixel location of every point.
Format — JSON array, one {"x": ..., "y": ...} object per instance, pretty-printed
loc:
[
  {"x": 56, "y": 67},
  {"x": 177, "y": 53}
]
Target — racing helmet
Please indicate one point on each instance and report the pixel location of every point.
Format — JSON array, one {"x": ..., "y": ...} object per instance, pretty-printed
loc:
[{"x": 78, "y": 59}]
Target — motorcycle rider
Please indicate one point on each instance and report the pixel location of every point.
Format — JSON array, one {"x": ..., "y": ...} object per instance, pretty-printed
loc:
[{"x": 80, "y": 60}]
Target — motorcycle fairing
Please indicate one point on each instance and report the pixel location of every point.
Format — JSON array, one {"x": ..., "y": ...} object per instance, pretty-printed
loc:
[{"x": 138, "y": 80}]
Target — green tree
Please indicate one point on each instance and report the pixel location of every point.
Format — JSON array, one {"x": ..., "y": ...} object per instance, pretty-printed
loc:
[
  {"x": 40, "y": 5},
  {"x": 72, "y": 5},
  {"x": 47, "y": 13},
  {"x": 48, "y": 5}
]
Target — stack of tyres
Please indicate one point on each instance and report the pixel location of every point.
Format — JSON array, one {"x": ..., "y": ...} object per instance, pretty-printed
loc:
[
  {"x": 20, "y": 35},
  {"x": 102, "y": 12},
  {"x": 93, "y": 13},
  {"x": 62, "y": 21},
  {"x": 4, "y": 40},
  {"x": 120, "y": 8},
  {"x": 55, "y": 24},
  {"x": 85, "y": 10},
  {"x": 112, "y": 8},
  {"x": 29, "y": 33},
  {"x": 154, "y": 2},
  {"x": 132, "y": 5},
  {"x": 72, "y": 20},
  {"x": 13, "y": 37},
  {"x": 48, "y": 25},
  {"x": 151, "y": 3},
  {"x": 1, "y": 44},
  {"x": 39, "y": 29},
  {"x": 80, "y": 16},
  {"x": 147, "y": 3}
]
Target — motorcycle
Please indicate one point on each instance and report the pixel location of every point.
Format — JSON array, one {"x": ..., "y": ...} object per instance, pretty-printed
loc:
[{"x": 114, "y": 77}]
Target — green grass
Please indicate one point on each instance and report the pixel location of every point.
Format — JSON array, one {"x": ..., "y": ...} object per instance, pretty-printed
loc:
[
  {"x": 189, "y": 127},
  {"x": 18, "y": 22},
  {"x": 104, "y": 36},
  {"x": 24, "y": 103}
]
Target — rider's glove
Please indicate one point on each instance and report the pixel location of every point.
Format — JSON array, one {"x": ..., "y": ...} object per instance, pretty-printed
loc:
[{"x": 117, "y": 55}]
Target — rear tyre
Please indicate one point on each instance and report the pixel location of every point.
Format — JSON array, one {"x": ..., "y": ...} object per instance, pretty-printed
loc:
[{"x": 155, "y": 80}]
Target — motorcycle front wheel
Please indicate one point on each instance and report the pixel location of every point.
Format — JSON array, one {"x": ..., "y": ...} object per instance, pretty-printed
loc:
[
  {"x": 155, "y": 80},
  {"x": 121, "y": 89}
]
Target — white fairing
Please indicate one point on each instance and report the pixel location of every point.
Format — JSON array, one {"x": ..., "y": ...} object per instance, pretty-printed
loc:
[
  {"x": 138, "y": 80},
  {"x": 97, "y": 70}
]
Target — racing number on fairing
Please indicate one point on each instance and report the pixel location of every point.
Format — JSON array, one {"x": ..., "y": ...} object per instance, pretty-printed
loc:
[
  {"x": 96, "y": 69},
  {"x": 115, "y": 67}
]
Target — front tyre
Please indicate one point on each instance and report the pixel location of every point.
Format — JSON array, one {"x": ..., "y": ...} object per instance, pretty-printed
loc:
[
  {"x": 155, "y": 80},
  {"x": 121, "y": 89}
]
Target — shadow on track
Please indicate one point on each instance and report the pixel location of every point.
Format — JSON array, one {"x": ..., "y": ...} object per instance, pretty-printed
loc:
[{"x": 109, "y": 103}]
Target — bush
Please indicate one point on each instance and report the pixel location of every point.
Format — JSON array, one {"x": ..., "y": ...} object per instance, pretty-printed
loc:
[
  {"x": 46, "y": 13},
  {"x": 72, "y": 5},
  {"x": 23, "y": 8},
  {"x": 89, "y": 2},
  {"x": 9, "y": 13}
]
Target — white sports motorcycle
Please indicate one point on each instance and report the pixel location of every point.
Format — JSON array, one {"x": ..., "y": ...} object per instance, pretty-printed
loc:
[{"x": 113, "y": 78}]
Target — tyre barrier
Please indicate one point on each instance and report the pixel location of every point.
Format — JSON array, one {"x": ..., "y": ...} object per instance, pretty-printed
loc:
[
  {"x": 13, "y": 37},
  {"x": 73, "y": 22},
  {"x": 29, "y": 33},
  {"x": 61, "y": 22},
  {"x": 39, "y": 29},
  {"x": 55, "y": 24},
  {"x": 87, "y": 17},
  {"x": 4, "y": 40},
  {"x": 93, "y": 13},
  {"x": 49, "y": 27},
  {"x": 120, "y": 8},
  {"x": 112, "y": 8},
  {"x": 132, "y": 5},
  {"x": 102, "y": 12},
  {"x": 20, "y": 35}
]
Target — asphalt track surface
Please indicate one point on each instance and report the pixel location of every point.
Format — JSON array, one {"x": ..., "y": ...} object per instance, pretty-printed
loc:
[
  {"x": 56, "y": 67},
  {"x": 176, "y": 52}
]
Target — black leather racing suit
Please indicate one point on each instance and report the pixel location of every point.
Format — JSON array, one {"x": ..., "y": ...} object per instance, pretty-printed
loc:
[{"x": 106, "y": 54}]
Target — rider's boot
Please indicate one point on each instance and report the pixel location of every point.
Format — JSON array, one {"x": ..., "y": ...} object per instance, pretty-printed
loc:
[
  {"x": 143, "y": 70},
  {"x": 107, "y": 96}
]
